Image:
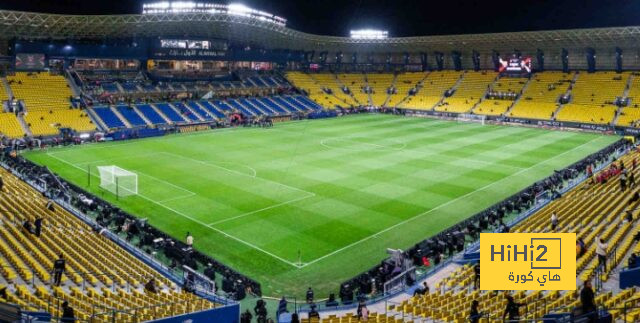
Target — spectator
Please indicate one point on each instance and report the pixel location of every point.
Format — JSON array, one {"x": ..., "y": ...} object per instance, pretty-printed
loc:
[
  {"x": 587, "y": 300},
  {"x": 246, "y": 317},
  {"x": 623, "y": 180},
  {"x": 28, "y": 227},
  {"x": 282, "y": 306},
  {"x": 476, "y": 278},
  {"x": 38, "y": 224},
  {"x": 294, "y": 318},
  {"x": 58, "y": 270},
  {"x": 260, "y": 310},
  {"x": 1, "y": 183},
  {"x": 67, "y": 313},
  {"x": 582, "y": 247},
  {"x": 554, "y": 221},
  {"x": 512, "y": 309},
  {"x": 189, "y": 240},
  {"x": 633, "y": 261},
  {"x": 210, "y": 272},
  {"x": 313, "y": 313},
  {"x": 601, "y": 251},
  {"x": 50, "y": 206},
  {"x": 309, "y": 295},
  {"x": 3, "y": 293},
  {"x": 628, "y": 216},
  {"x": 150, "y": 286},
  {"x": 362, "y": 312},
  {"x": 632, "y": 179},
  {"x": 423, "y": 290},
  {"x": 475, "y": 314}
]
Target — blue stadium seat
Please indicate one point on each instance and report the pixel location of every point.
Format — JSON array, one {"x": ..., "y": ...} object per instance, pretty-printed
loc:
[
  {"x": 110, "y": 87},
  {"x": 129, "y": 87},
  {"x": 296, "y": 104},
  {"x": 250, "y": 107},
  {"x": 151, "y": 114},
  {"x": 185, "y": 111},
  {"x": 270, "y": 103},
  {"x": 207, "y": 105},
  {"x": 169, "y": 112},
  {"x": 286, "y": 104},
  {"x": 263, "y": 106},
  {"x": 131, "y": 115},
  {"x": 194, "y": 106},
  {"x": 149, "y": 88},
  {"x": 108, "y": 117},
  {"x": 309, "y": 102},
  {"x": 236, "y": 105},
  {"x": 224, "y": 106}
]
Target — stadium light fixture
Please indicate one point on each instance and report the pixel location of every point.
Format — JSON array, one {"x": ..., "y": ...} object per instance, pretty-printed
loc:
[
  {"x": 236, "y": 9},
  {"x": 369, "y": 34}
]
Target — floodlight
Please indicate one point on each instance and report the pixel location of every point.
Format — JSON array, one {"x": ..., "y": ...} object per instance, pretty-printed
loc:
[{"x": 369, "y": 34}]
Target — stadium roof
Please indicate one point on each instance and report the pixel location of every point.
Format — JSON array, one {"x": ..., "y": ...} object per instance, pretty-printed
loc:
[{"x": 28, "y": 25}]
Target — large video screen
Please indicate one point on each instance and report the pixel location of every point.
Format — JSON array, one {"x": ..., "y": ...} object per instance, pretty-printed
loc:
[
  {"x": 30, "y": 61},
  {"x": 193, "y": 44},
  {"x": 515, "y": 65}
]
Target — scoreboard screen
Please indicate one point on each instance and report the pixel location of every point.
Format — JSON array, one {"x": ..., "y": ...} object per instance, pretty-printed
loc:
[
  {"x": 30, "y": 61},
  {"x": 515, "y": 65}
]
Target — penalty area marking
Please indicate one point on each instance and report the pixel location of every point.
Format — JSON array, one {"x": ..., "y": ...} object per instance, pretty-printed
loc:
[{"x": 186, "y": 216}]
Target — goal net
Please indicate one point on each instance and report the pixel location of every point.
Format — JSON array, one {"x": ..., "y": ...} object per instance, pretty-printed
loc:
[
  {"x": 118, "y": 181},
  {"x": 471, "y": 118}
]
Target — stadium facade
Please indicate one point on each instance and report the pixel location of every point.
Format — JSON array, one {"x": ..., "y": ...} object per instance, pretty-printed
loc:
[{"x": 556, "y": 49}]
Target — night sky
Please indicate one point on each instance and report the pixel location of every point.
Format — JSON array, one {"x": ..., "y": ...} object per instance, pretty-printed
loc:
[{"x": 399, "y": 17}]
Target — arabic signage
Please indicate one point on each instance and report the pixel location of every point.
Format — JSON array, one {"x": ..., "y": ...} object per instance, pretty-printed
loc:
[
  {"x": 177, "y": 53},
  {"x": 528, "y": 261}
]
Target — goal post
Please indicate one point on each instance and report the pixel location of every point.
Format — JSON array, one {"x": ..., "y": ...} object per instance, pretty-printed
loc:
[
  {"x": 468, "y": 117},
  {"x": 118, "y": 181}
]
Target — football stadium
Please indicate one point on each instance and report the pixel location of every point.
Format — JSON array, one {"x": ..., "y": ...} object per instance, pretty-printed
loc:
[{"x": 209, "y": 162}]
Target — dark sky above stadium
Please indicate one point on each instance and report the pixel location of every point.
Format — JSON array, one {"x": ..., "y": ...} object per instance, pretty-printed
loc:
[{"x": 399, "y": 17}]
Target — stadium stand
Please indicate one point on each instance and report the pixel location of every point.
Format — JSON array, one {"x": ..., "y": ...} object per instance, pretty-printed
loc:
[
  {"x": 630, "y": 115},
  {"x": 315, "y": 90},
  {"x": 109, "y": 117},
  {"x": 540, "y": 98},
  {"x": 356, "y": 83},
  {"x": 47, "y": 111},
  {"x": 330, "y": 82},
  {"x": 9, "y": 124},
  {"x": 593, "y": 96},
  {"x": 468, "y": 92},
  {"x": 431, "y": 90},
  {"x": 151, "y": 114},
  {"x": 131, "y": 115},
  {"x": 379, "y": 85},
  {"x": 404, "y": 83},
  {"x": 100, "y": 278},
  {"x": 592, "y": 210},
  {"x": 502, "y": 86}
]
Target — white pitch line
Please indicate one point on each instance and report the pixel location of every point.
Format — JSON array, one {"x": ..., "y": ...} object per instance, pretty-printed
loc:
[
  {"x": 178, "y": 198},
  {"x": 143, "y": 174},
  {"x": 194, "y": 220},
  {"x": 260, "y": 210},
  {"x": 108, "y": 159},
  {"x": 439, "y": 206},
  {"x": 323, "y": 142},
  {"x": 237, "y": 172}
]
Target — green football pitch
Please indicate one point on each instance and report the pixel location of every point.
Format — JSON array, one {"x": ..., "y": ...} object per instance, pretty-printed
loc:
[{"x": 313, "y": 203}]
